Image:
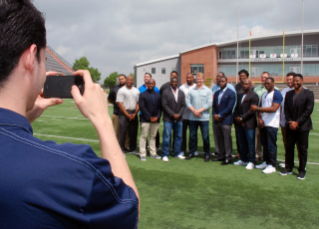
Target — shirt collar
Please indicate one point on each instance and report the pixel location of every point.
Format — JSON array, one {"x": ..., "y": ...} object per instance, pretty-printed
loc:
[
  {"x": 10, "y": 118},
  {"x": 224, "y": 88}
]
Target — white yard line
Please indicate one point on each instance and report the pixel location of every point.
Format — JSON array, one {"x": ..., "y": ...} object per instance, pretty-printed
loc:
[
  {"x": 64, "y": 117},
  {"x": 70, "y": 138},
  {"x": 97, "y": 141}
]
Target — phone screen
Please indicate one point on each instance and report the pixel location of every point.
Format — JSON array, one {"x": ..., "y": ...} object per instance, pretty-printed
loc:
[{"x": 60, "y": 86}]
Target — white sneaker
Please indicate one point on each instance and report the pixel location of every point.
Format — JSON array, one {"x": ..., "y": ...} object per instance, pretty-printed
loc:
[
  {"x": 165, "y": 158},
  {"x": 155, "y": 156},
  {"x": 195, "y": 154},
  {"x": 143, "y": 158},
  {"x": 269, "y": 169},
  {"x": 282, "y": 165},
  {"x": 261, "y": 166},
  {"x": 250, "y": 165},
  {"x": 180, "y": 157},
  {"x": 240, "y": 162},
  {"x": 181, "y": 153}
]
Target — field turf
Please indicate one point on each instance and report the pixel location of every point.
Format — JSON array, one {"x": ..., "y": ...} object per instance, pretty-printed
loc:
[{"x": 192, "y": 194}]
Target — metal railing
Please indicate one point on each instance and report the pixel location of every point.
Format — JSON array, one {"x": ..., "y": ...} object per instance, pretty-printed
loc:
[{"x": 60, "y": 58}]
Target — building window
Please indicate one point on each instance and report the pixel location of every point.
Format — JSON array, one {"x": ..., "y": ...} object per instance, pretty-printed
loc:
[
  {"x": 153, "y": 70},
  {"x": 163, "y": 70},
  {"x": 195, "y": 68}
]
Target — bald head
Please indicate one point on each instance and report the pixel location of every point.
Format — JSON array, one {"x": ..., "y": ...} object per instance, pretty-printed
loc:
[
  {"x": 150, "y": 84},
  {"x": 246, "y": 85},
  {"x": 129, "y": 81}
]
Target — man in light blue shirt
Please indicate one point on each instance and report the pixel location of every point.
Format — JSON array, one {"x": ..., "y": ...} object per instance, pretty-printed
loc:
[{"x": 198, "y": 101}]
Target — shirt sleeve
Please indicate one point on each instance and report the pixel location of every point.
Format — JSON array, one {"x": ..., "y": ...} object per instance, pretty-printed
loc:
[
  {"x": 112, "y": 96},
  {"x": 120, "y": 96},
  {"x": 277, "y": 97},
  {"x": 111, "y": 202},
  {"x": 188, "y": 99},
  {"x": 209, "y": 102}
]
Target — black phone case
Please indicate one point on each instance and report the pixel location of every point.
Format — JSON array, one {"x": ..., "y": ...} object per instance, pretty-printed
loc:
[{"x": 60, "y": 86}]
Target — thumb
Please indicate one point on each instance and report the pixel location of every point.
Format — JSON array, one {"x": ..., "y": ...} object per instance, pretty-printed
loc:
[
  {"x": 51, "y": 102},
  {"x": 75, "y": 92}
]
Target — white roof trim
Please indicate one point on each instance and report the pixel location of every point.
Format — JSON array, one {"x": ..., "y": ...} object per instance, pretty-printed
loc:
[
  {"x": 252, "y": 38},
  {"x": 157, "y": 60}
]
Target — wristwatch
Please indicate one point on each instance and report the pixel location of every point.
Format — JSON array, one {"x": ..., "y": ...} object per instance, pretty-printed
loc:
[
  {"x": 258, "y": 109},
  {"x": 241, "y": 119}
]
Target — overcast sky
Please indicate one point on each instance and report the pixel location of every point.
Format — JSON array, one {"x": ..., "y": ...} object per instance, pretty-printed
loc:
[{"x": 117, "y": 34}]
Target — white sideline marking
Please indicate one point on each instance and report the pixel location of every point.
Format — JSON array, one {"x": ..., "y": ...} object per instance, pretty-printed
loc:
[
  {"x": 63, "y": 137},
  {"x": 52, "y": 116}
]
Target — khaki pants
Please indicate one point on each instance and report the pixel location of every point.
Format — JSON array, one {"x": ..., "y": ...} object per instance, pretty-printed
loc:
[
  {"x": 148, "y": 128},
  {"x": 116, "y": 125},
  {"x": 258, "y": 143},
  {"x": 283, "y": 133}
]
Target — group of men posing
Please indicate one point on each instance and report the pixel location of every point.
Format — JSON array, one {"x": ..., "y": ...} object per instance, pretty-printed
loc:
[{"x": 256, "y": 114}]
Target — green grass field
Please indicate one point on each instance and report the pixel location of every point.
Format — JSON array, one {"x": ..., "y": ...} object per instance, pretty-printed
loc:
[{"x": 192, "y": 194}]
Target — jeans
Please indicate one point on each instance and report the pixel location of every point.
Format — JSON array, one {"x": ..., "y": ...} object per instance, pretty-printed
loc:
[
  {"x": 246, "y": 142},
  {"x": 268, "y": 137},
  {"x": 168, "y": 126},
  {"x": 193, "y": 126}
]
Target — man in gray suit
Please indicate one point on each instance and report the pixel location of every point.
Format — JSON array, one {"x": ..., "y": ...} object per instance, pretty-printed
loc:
[{"x": 173, "y": 105}]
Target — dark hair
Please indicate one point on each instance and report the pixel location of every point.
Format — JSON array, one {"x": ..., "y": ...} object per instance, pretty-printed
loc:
[
  {"x": 291, "y": 74},
  {"x": 224, "y": 78},
  {"x": 21, "y": 25},
  {"x": 174, "y": 72},
  {"x": 122, "y": 75},
  {"x": 298, "y": 75},
  {"x": 147, "y": 73},
  {"x": 265, "y": 72},
  {"x": 222, "y": 73},
  {"x": 243, "y": 71},
  {"x": 270, "y": 78},
  {"x": 174, "y": 78}
]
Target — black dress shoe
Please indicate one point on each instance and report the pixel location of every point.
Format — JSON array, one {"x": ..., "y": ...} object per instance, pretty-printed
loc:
[
  {"x": 217, "y": 159},
  {"x": 226, "y": 162},
  {"x": 190, "y": 156},
  {"x": 215, "y": 154},
  {"x": 207, "y": 158}
]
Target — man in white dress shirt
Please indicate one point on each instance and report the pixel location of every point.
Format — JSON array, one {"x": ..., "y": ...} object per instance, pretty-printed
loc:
[{"x": 186, "y": 88}]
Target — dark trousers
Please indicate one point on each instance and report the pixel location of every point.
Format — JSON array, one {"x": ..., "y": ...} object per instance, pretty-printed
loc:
[
  {"x": 157, "y": 139},
  {"x": 184, "y": 142},
  {"x": 193, "y": 127},
  {"x": 292, "y": 137},
  {"x": 223, "y": 133},
  {"x": 268, "y": 137},
  {"x": 237, "y": 128},
  {"x": 131, "y": 127},
  {"x": 246, "y": 142}
]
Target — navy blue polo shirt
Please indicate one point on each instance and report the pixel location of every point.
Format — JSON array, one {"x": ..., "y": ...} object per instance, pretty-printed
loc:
[{"x": 47, "y": 185}]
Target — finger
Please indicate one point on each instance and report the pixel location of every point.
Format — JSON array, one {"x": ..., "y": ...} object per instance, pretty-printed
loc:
[
  {"x": 86, "y": 76},
  {"x": 75, "y": 92},
  {"x": 51, "y": 73},
  {"x": 46, "y": 103}
]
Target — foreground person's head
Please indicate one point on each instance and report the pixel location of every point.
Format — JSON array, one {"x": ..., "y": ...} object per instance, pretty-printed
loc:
[{"x": 22, "y": 55}]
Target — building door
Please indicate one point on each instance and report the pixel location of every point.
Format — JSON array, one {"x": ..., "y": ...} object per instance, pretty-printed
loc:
[
  {"x": 295, "y": 50},
  {"x": 254, "y": 72},
  {"x": 294, "y": 69}
]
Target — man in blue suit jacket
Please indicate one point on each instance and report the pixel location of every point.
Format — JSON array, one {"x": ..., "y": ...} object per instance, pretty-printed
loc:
[
  {"x": 150, "y": 105},
  {"x": 224, "y": 100}
]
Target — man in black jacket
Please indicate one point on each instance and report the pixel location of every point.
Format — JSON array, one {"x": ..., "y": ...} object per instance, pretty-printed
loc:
[
  {"x": 298, "y": 107},
  {"x": 246, "y": 120},
  {"x": 173, "y": 104},
  {"x": 150, "y": 105}
]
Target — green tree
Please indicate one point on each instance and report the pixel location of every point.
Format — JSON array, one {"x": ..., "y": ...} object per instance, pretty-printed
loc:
[
  {"x": 84, "y": 64},
  {"x": 111, "y": 79}
]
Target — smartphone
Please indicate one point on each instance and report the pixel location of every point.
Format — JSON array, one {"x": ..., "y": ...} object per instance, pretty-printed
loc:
[{"x": 60, "y": 86}]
